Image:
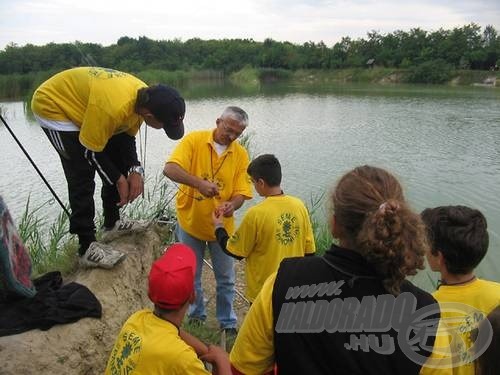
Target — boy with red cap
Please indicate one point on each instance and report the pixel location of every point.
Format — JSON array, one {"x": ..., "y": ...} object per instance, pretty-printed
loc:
[{"x": 151, "y": 342}]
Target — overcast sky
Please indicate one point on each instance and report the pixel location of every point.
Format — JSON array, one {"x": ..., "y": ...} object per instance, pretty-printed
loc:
[{"x": 104, "y": 21}]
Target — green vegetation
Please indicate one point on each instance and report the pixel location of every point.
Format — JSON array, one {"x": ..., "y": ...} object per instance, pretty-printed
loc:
[
  {"x": 435, "y": 71},
  {"x": 51, "y": 246},
  {"x": 321, "y": 228},
  {"x": 415, "y": 54}
]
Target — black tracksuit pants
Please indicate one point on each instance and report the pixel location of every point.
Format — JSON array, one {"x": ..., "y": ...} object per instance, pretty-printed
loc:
[{"x": 79, "y": 165}]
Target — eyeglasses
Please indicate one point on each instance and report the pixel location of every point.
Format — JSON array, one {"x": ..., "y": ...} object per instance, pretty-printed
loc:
[{"x": 230, "y": 131}]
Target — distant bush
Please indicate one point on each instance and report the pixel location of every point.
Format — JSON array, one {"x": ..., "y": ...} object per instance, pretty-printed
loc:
[
  {"x": 434, "y": 71},
  {"x": 273, "y": 74},
  {"x": 247, "y": 76}
]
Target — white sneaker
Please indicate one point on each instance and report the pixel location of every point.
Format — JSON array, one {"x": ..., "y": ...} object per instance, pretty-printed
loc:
[
  {"x": 100, "y": 255},
  {"x": 123, "y": 227}
]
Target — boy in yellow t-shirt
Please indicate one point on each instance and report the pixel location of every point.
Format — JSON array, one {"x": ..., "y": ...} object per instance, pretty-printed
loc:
[
  {"x": 151, "y": 342},
  {"x": 459, "y": 241},
  {"x": 278, "y": 227}
]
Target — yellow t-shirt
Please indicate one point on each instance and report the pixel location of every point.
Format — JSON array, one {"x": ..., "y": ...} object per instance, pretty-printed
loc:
[
  {"x": 480, "y": 298},
  {"x": 277, "y": 228},
  {"x": 101, "y": 102},
  {"x": 253, "y": 350},
  {"x": 147, "y": 344},
  {"x": 196, "y": 154}
]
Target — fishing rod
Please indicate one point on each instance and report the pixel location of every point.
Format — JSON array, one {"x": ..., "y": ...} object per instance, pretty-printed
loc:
[{"x": 34, "y": 166}]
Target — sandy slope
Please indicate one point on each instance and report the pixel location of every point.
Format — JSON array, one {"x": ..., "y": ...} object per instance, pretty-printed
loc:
[{"x": 83, "y": 347}]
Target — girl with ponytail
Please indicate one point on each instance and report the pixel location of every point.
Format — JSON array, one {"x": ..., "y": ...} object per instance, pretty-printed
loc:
[{"x": 350, "y": 311}]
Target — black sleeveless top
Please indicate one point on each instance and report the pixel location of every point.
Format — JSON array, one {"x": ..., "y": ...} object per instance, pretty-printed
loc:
[{"x": 332, "y": 315}]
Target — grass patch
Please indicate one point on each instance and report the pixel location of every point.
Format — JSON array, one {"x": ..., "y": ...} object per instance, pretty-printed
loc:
[
  {"x": 246, "y": 77},
  {"x": 208, "y": 334},
  {"x": 321, "y": 229},
  {"x": 52, "y": 247}
]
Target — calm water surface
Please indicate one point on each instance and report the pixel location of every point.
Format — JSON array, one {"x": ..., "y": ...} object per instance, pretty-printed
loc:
[{"x": 443, "y": 144}]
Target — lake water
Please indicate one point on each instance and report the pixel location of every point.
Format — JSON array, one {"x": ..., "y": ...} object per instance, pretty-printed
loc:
[{"x": 442, "y": 142}]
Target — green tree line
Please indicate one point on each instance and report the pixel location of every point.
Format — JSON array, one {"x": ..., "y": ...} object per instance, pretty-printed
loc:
[{"x": 467, "y": 47}]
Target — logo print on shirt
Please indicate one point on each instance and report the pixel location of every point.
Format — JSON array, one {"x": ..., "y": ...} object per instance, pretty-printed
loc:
[
  {"x": 287, "y": 230},
  {"x": 220, "y": 184},
  {"x": 125, "y": 355},
  {"x": 105, "y": 73}
]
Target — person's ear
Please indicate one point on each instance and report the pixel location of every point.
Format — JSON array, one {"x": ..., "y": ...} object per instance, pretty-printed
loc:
[{"x": 440, "y": 259}]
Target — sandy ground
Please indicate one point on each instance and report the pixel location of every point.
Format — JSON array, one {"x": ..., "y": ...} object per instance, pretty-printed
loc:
[
  {"x": 83, "y": 347},
  {"x": 240, "y": 305}
]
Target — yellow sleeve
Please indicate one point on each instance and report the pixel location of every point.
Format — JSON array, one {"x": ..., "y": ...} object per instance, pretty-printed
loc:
[
  {"x": 183, "y": 153},
  {"x": 188, "y": 363},
  {"x": 242, "y": 183},
  {"x": 97, "y": 128},
  {"x": 242, "y": 242},
  {"x": 253, "y": 350}
]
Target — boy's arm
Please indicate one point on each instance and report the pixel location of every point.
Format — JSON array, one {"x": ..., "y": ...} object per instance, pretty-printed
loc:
[
  {"x": 209, "y": 353},
  {"x": 221, "y": 234},
  {"x": 219, "y": 360},
  {"x": 222, "y": 237},
  {"x": 199, "y": 346}
]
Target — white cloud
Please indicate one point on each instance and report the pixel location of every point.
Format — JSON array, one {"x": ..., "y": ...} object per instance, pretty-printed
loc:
[{"x": 44, "y": 21}]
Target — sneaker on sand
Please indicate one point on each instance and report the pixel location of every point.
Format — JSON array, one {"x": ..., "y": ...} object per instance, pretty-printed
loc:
[
  {"x": 123, "y": 227},
  {"x": 103, "y": 256}
]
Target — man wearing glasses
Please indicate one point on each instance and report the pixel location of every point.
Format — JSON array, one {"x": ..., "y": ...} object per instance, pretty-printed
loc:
[{"x": 211, "y": 170}]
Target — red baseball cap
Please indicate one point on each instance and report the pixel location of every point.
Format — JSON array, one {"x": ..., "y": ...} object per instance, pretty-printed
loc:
[{"x": 171, "y": 279}]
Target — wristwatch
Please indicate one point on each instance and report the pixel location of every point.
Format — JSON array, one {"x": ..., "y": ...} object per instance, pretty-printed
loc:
[{"x": 136, "y": 169}]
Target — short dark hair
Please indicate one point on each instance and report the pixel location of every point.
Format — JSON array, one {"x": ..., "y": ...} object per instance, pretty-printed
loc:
[
  {"x": 459, "y": 233},
  {"x": 267, "y": 167}
]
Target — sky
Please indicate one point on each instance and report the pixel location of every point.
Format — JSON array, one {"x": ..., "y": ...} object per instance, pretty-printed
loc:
[{"x": 298, "y": 21}]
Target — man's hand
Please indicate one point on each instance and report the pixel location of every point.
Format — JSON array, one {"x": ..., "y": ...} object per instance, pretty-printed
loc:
[
  {"x": 226, "y": 208},
  {"x": 123, "y": 190},
  {"x": 135, "y": 186},
  {"x": 207, "y": 188},
  {"x": 217, "y": 218}
]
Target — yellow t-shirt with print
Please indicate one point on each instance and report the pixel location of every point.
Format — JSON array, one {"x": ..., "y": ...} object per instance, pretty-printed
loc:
[
  {"x": 277, "y": 228},
  {"x": 480, "y": 297},
  {"x": 101, "y": 102},
  {"x": 196, "y": 154},
  {"x": 147, "y": 344},
  {"x": 253, "y": 349}
]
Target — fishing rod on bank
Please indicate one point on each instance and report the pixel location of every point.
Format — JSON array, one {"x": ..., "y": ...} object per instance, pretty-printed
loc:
[{"x": 34, "y": 166}]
